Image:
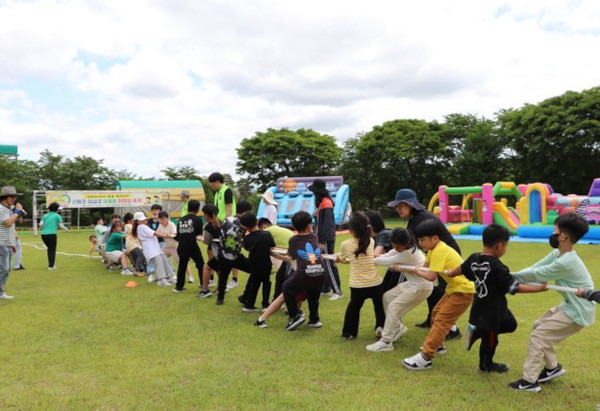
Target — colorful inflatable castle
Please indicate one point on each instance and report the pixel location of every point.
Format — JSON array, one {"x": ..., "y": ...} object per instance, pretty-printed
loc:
[{"x": 534, "y": 208}]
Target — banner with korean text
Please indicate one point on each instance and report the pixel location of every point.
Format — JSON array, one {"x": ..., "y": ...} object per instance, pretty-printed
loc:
[{"x": 102, "y": 199}]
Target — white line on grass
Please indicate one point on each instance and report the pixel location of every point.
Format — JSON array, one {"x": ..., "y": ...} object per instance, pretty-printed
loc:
[{"x": 42, "y": 247}]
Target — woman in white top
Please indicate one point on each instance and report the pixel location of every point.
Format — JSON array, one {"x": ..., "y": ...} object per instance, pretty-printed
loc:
[
  {"x": 270, "y": 210},
  {"x": 152, "y": 251},
  {"x": 168, "y": 228},
  {"x": 405, "y": 296}
]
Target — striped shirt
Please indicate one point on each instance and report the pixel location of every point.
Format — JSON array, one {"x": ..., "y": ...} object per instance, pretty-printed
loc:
[
  {"x": 363, "y": 272},
  {"x": 8, "y": 235}
]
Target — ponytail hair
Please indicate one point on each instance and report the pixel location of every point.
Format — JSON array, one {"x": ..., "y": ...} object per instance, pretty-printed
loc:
[
  {"x": 136, "y": 223},
  {"x": 361, "y": 229},
  {"x": 404, "y": 238}
]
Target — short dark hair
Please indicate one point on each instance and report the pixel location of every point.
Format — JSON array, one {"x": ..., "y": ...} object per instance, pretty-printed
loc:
[
  {"x": 572, "y": 224},
  {"x": 264, "y": 222},
  {"x": 494, "y": 234},
  {"x": 209, "y": 209},
  {"x": 429, "y": 228},
  {"x": 117, "y": 216},
  {"x": 375, "y": 220},
  {"x": 96, "y": 219},
  {"x": 156, "y": 207},
  {"x": 248, "y": 219},
  {"x": 54, "y": 207},
  {"x": 163, "y": 214},
  {"x": 194, "y": 206},
  {"x": 403, "y": 237},
  {"x": 92, "y": 236},
  {"x": 216, "y": 176},
  {"x": 127, "y": 217},
  {"x": 243, "y": 206},
  {"x": 301, "y": 220}
]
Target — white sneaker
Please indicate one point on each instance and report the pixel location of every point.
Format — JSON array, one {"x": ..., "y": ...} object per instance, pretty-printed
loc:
[
  {"x": 6, "y": 297},
  {"x": 399, "y": 332},
  {"x": 232, "y": 284},
  {"x": 211, "y": 283},
  {"x": 380, "y": 346},
  {"x": 151, "y": 278},
  {"x": 191, "y": 280},
  {"x": 335, "y": 297},
  {"x": 173, "y": 279},
  {"x": 126, "y": 271},
  {"x": 163, "y": 283},
  {"x": 417, "y": 363},
  {"x": 52, "y": 268}
]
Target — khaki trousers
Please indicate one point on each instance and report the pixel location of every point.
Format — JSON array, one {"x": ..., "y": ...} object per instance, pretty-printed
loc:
[
  {"x": 548, "y": 331},
  {"x": 397, "y": 302}
]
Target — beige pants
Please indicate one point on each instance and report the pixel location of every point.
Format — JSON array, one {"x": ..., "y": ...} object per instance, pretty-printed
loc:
[
  {"x": 548, "y": 331},
  {"x": 397, "y": 302}
]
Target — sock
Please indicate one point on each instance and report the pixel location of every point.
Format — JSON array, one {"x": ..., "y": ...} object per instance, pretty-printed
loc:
[
  {"x": 234, "y": 279},
  {"x": 212, "y": 277},
  {"x": 454, "y": 328},
  {"x": 261, "y": 318}
]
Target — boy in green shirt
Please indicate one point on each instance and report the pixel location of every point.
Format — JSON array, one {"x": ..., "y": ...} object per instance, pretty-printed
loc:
[{"x": 564, "y": 266}]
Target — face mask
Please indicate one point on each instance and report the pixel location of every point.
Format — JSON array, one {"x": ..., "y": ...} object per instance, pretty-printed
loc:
[{"x": 553, "y": 240}]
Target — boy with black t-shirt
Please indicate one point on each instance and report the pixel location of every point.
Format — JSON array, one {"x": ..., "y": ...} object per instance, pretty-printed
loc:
[
  {"x": 212, "y": 230},
  {"x": 258, "y": 243},
  {"x": 309, "y": 275},
  {"x": 490, "y": 315},
  {"x": 188, "y": 228}
]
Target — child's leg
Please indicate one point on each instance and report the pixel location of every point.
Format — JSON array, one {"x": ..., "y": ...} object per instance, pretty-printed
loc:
[
  {"x": 266, "y": 288},
  {"x": 181, "y": 269},
  {"x": 377, "y": 297},
  {"x": 352, "y": 316},
  {"x": 224, "y": 270},
  {"x": 444, "y": 315},
  {"x": 548, "y": 331},
  {"x": 312, "y": 296},
  {"x": 407, "y": 298},
  {"x": 273, "y": 307},
  {"x": 251, "y": 291},
  {"x": 280, "y": 277},
  {"x": 290, "y": 290},
  {"x": 199, "y": 262},
  {"x": 205, "y": 276}
]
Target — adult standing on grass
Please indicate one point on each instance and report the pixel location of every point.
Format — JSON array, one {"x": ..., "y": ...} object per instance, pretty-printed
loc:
[
  {"x": 408, "y": 207},
  {"x": 270, "y": 210},
  {"x": 10, "y": 211},
  {"x": 325, "y": 230},
  {"x": 50, "y": 224},
  {"x": 184, "y": 196}
]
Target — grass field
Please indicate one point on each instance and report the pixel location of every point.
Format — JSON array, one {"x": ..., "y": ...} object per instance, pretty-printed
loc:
[{"x": 76, "y": 338}]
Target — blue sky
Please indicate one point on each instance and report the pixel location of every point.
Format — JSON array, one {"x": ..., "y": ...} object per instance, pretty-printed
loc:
[{"x": 149, "y": 85}]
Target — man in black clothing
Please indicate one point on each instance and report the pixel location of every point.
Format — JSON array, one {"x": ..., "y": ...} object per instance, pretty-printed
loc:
[
  {"x": 188, "y": 228},
  {"x": 408, "y": 207}
]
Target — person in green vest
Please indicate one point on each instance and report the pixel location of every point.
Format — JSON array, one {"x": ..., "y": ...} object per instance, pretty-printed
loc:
[
  {"x": 50, "y": 224},
  {"x": 225, "y": 202},
  {"x": 185, "y": 198}
]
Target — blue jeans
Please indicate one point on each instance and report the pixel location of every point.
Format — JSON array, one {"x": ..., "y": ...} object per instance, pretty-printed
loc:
[{"x": 5, "y": 256}]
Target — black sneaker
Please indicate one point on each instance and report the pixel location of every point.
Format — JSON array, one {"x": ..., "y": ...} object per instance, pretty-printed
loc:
[
  {"x": 424, "y": 324},
  {"x": 293, "y": 323},
  {"x": 260, "y": 324},
  {"x": 548, "y": 375},
  {"x": 204, "y": 294},
  {"x": 494, "y": 367},
  {"x": 219, "y": 301},
  {"x": 241, "y": 299},
  {"x": 453, "y": 335},
  {"x": 524, "y": 385}
]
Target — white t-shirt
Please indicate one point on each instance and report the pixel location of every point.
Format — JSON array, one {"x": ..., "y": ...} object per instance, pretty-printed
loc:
[
  {"x": 171, "y": 230},
  {"x": 150, "y": 245},
  {"x": 406, "y": 257},
  {"x": 270, "y": 212}
]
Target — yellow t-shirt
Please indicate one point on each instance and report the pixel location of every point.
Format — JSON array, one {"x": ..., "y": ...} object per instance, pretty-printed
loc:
[
  {"x": 363, "y": 272},
  {"x": 444, "y": 257}
]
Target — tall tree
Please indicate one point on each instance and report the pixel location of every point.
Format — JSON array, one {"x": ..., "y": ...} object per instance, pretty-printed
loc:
[
  {"x": 556, "y": 141},
  {"x": 286, "y": 153}
]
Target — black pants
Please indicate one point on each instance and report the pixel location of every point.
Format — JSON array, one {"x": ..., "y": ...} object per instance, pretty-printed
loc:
[
  {"x": 489, "y": 338},
  {"x": 332, "y": 277},
  {"x": 225, "y": 267},
  {"x": 184, "y": 257},
  {"x": 257, "y": 277},
  {"x": 139, "y": 261},
  {"x": 281, "y": 275},
  {"x": 312, "y": 292},
  {"x": 50, "y": 241},
  {"x": 357, "y": 299}
]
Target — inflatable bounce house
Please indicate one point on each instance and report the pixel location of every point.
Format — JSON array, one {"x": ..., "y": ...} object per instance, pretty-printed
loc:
[
  {"x": 536, "y": 206},
  {"x": 293, "y": 195}
]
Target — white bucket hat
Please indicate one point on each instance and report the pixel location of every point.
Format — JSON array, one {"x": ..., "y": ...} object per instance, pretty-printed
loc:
[
  {"x": 139, "y": 216},
  {"x": 269, "y": 198}
]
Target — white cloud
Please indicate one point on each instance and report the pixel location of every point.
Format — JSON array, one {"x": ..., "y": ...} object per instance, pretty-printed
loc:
[{"x": 166, "y": 84}]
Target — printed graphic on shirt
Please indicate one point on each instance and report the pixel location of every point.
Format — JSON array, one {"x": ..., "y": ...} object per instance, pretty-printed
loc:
[
  {"x": 186, "y": 226},
  {"x": 481, "y": 271},
  {"x": 310, "y": 254}
]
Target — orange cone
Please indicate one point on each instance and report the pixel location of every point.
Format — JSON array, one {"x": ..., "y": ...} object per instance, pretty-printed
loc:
[{"x": 131, "y": 284}]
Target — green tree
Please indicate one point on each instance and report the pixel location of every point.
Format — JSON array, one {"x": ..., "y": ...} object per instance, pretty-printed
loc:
[
  {"x": 269, "y": 155},
  {"x": 556, "y": 141}
]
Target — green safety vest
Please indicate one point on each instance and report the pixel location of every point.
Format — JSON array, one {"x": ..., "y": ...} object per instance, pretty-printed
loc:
[{"x": 220, "y": 203}]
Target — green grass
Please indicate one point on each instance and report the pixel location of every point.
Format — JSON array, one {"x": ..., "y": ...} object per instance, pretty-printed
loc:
[{"x": 76, "y": 338}]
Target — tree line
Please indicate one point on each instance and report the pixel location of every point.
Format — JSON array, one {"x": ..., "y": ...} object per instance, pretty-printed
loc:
[{"x": 556, "y": 141}]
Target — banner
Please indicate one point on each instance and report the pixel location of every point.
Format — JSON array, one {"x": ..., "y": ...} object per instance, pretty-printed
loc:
[{"x": 102, "y": 199}]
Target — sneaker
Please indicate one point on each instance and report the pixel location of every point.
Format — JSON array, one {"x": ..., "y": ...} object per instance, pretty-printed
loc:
[
  {"x": 399, "y": 332},
  {"x": 55, "y": 268},
  {"x": 151, "y": 278},
  {"x": 316, "y": 324},
  {"x": 440, "y": 351},
  {"x": 172, "y": 279},
  {"x": 380, "y": 346},
  {"x": 335, "y": 297},
  {"x": 6, "y": 297},
  {"x": 232, "y": 284},
  {"x": 494, "y": 367},
  {"x": 347, "y": 337},
  {"x": 177, "y": 290},
  {"x": 219, "y": 302},
  {"x": 424, "y": 324},
  {"x": 163, "y": 283},
  {"x": 453, "y": 335},
  {"x": 293, "y": 323},
  {"x": 417, "y": 363},
  {"x": 241, "y": 299},
  {"x": 524, "y": 385},
  {"x": 378, "y": 332},
  {"x": 191, "y": 280},
  {"x": 326, "y": 293},
  {"x": 260, "y": 324},
  {"x": 204, "y": 294},
  {"x": 211, "y": 283},
  {"x": 110, "y": 268},
  {"x": 548, "y": 375},
  {"x": 249, "y": 309},
  {"x": 126, "y": 271},
  {"x": 470, "y": 337}
]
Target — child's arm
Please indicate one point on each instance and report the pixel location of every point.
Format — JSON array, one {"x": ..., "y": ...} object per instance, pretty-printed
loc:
[
  {"x": 588, "y": 294},
  {"x": 527, "y": 288},
  {"x": 454, "y": 272},
  {"x": 278, "y": 255},
  {"x": 420, "y": 270}
]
